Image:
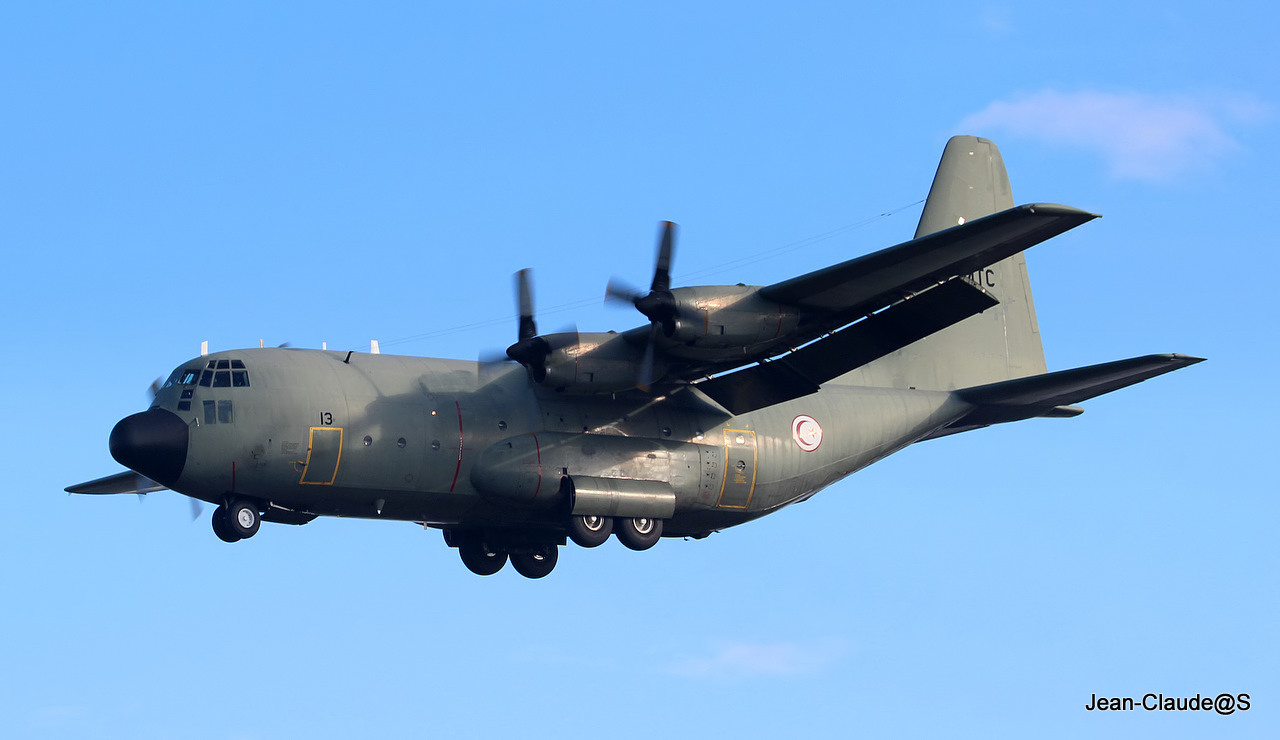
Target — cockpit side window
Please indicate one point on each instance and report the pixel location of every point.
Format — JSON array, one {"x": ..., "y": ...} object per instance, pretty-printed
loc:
[{"x": 173, "y": 379}]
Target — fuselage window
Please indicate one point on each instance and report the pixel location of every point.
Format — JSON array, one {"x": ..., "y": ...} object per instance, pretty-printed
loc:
[
  {"x": 222, "y": 379},
  {"x": 210, "y": 412},
  {"x": 224, "y": 412}
]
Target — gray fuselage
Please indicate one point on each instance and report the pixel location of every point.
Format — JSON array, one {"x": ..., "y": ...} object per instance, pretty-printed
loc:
[{"x": 447, "y": 442}]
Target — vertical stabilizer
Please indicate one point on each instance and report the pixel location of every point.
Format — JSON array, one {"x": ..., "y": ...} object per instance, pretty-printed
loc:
[{"x": 1002, "y": 342}]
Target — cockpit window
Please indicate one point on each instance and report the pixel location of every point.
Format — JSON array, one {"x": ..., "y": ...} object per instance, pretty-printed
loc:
[
  {"x": 217, "y": 374},
  {"x": 173, "y": 378},
  {"x": 182, "y": 376}
]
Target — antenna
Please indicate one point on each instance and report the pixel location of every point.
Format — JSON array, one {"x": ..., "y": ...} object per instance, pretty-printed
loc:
[
  {"x": 373, "y": 347},
  {"x": 204, "y": 348}
]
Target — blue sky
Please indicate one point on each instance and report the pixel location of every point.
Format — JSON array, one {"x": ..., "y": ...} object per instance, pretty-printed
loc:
[{"x": 332, "y": 173}]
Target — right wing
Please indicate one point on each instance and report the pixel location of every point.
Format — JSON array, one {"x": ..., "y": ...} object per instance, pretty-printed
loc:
[
  {"x": 868, "y": 283},
  {"x": 126, "y": 482}
]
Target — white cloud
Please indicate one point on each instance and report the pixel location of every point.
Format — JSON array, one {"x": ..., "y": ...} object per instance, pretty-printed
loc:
[
  {"x": 1141, "y": 137},
  {"x": 747, "y": 660}
]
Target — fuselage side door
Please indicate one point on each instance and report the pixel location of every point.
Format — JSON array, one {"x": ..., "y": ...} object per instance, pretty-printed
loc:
[
  {"x": 324, "y": 454},
  {"x": 739, "y": 469}
]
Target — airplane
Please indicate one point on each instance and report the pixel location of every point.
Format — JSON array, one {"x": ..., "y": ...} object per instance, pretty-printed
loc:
[{"x": 728, "y": 404}]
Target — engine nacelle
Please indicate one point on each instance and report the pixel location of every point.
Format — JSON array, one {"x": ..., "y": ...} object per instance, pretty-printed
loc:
[
  {"x": 723, "y": 316},
  {"x": 598, "y": 363}
]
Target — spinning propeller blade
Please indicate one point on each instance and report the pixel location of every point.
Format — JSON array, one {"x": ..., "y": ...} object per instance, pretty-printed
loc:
[{"x": 658, "y": 305}]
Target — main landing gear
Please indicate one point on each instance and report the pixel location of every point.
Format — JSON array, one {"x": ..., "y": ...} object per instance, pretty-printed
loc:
[
  {"x": 534, "y": 554},
  {"x": 236, "y": 520}
]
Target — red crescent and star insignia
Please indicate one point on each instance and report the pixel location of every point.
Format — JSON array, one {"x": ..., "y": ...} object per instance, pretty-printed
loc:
[{"x": 807, "y": 432}]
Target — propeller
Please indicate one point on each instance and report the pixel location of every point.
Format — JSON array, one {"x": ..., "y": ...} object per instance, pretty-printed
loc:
[
  {"x": 658, "y": 305},
  {"x": 532, "y": 350}
]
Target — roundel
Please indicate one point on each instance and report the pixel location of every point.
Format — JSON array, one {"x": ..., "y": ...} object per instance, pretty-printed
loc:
[{"x": 807, "y": 433}]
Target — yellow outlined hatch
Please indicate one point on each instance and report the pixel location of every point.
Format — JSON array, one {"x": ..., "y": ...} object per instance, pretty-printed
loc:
[
  {"x": 324, "y": 452},
  {"x": 739, "y": 481}
]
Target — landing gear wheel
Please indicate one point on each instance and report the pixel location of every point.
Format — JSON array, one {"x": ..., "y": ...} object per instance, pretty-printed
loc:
[
  {"x": 479, "y": 559},
  {"x": 536, "y": 564},
  {"x": 590, "y": 531},
  {"x": 639, "y": 533},
  {"x": 242, "y": 519},
  {"x": 221, "y": 527}
]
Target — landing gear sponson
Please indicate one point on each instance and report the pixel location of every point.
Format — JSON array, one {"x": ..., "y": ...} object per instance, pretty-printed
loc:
[{"x": 534, "y": 554}]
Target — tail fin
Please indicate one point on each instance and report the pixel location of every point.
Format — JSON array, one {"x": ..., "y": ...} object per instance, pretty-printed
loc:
[{"x": 1002, "y": 342}]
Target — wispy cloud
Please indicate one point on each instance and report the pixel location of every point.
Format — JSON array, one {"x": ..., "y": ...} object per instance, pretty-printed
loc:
[
  {"x": 1140, "y": 136},
  {"x": 747, "y": 660}
]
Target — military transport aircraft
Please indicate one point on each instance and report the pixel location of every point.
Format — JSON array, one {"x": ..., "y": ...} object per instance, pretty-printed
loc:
[{"x": 728, "y": 404}]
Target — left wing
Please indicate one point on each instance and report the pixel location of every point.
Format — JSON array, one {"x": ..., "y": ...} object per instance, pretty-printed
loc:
[
  {"x": 865, "y": 284},
  {"x": 799, "y": 373}
]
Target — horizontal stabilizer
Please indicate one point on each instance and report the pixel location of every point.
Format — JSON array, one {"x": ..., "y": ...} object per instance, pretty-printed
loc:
[
  {"x": 1054, "y": 394},
  {"x": 865, "y": 284},
  {"x": 800, "y": 373},
  {"x": 126, "y": 482}
]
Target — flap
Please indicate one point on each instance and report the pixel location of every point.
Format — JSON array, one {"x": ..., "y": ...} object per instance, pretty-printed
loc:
[{"x": 799, "y": 373}]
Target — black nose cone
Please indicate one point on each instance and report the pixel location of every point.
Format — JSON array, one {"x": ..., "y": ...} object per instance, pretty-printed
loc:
[{"x": 153, "y": 443}]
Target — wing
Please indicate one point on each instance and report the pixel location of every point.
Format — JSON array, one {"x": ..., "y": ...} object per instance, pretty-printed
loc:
[
  {"x": 906, "y": 292},
  {"x": 865, "y": 284},
  {"x": 800, "y": 372},
  {"x": 126, "y": 482}
]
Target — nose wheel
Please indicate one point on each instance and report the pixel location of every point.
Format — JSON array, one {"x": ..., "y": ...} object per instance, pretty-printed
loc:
[{"x": 236, "y": 520}]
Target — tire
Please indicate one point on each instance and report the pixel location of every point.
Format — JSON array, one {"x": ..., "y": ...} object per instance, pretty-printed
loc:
[
  {"x": 590, "y": 531},
  {"x": 243, "y": 519},
  {"x": 221, "y": 527},
  {"x": 480, "y": 559},
  {"x": 536, "y": 564},
  {"x": 640, "y": 533}
]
